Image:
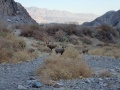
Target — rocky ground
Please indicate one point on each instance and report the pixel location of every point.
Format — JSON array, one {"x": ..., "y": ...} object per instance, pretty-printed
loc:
[{"x": 21, "y": 76}]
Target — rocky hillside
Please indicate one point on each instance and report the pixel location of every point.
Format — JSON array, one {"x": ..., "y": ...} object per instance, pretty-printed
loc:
[
  {"x": 14, "y": 13},
  {"x": 55, "y": 16},
  {"x": 111, "y": 18}
]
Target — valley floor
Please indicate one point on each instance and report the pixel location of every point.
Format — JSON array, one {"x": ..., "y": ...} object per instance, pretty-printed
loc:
[{"x": 13, "y": 75}]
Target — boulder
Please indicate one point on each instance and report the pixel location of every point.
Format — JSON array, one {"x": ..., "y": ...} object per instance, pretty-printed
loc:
[
  {"x": 20, "y": 87},
  {"x": 37, "y": 84}
]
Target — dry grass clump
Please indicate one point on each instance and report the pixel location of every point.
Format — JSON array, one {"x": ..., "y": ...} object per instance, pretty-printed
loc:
[
  {"x": 105, "y": 73},
  {"x": 12, "y": 48},
  {"x": 56, "y": 67},
  {"x": 107, "y": 44},
  {"x": 106, "y": 51},
  {"x": 71, "y": 52},
  {"x": 74, "y": 39},
  {"x": 59, "y": 34},
  {"x": 44, "y": 49},
  {"x": 35, "y": 31},
  {"x": 86, "y": 40},
  {"x": 21, "y": 56},
  {"x": 69, "y": 28},
  {"x": 106, "y": 33},
  {"x": 5, "y": 55},
  {"x": 84, "y": 31}
]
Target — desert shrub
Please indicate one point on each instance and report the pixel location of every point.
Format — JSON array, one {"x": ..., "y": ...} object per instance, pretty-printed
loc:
[
  {"x": 56, "y": 67},
  {"x": 35, "y": 27},
  {"x": 84, "y": 31},
  {"x": 21, "y": 56},
  {"x": 33, "y": 31},
  {"x": 44, "y": 49},
  {"x": 59, "y": 34},
  {"x": 2, "y": 24},
  {"x": 64, "y": 39},
  {"x": 104, "y": 27},
  {"x": 26, "y": 30},
  {"x": 56, "y": 31},
  {"x": 51, "y": 30},
  {"x": 19, "y": 45},
  {"x": 5, "y": 55},
  {"x": 107, "y": 44},
  {"x": 106, "y": 51},
  {"x": 106, "y": 33},
  {"x": 74, "y": 39},
  {"x": 118, "y": 29},
  {"x": 69, "y": 28},
  {"x": 105, "y": 73},
  {"x": 71, "y": 52},
  {"x": 86, "y": 40},
  {"x": 13, "y": 44},
  {"x": 12, "y": 48}
]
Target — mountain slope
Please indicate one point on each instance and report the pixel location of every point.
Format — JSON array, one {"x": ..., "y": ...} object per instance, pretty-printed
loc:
[
  {"x": 111, "y": 18},
  {"x": 14, "y": 13},
  {"x": 55, "y": 16}
]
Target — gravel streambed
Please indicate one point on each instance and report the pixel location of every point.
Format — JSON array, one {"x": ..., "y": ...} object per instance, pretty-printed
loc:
[{"x": 12, "y": 75}]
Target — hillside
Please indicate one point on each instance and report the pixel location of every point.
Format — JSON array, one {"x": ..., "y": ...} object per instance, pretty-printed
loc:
[
  {"x": 12, "y": 12},
  {"x": 111, "y": 18},
  {"x": 42, "y": 15}
]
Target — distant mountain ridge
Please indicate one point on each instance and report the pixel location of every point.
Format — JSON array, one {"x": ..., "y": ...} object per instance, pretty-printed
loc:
[
  {"x": 42, "y": 15},
  {"x": 111, "y": 18}
]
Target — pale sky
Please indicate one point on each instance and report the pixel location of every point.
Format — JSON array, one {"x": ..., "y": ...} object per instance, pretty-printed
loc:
[{"x": 98, "y": 7}]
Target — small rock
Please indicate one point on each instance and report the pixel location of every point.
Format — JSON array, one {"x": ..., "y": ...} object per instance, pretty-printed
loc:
[
  {"x": 112, "y": 70},
  {"x": 118, "y": 88},
  {"x": 20, "y": 87},
  {"x": 87, "y": 81},
  {"x": 82, "y": 82},
  {"x": 76, "y": 88},
  {"x": 18, "y": 12},
  {"x": 117, "y": 69},
  {"x": 17, "y": 76},
  {"x": 8, "y": 20},
  {"x": 105, "y": 84},
  {"x": 100, "y": 79},
  {"x": 30, "y": 81},
  {"x": 58, "y": 85},
  {"x": 32, "y": 78},
  {"x": 17, "y": 32},
  {"x": 37, "y": 84}
]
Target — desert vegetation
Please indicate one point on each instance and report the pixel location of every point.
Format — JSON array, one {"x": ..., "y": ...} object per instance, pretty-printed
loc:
[
  {"x": 70, "y": 65},
  {"x": 35, "y": 31},
  {"x": 107, "y": 33},
  {"x": 106, "y": 51},
  {"x": 80, "y": 36},
  {"x": 12, "y": 48}
]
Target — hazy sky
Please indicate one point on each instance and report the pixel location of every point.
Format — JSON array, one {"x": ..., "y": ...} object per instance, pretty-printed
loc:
[{"x": 76, "y": 6}]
